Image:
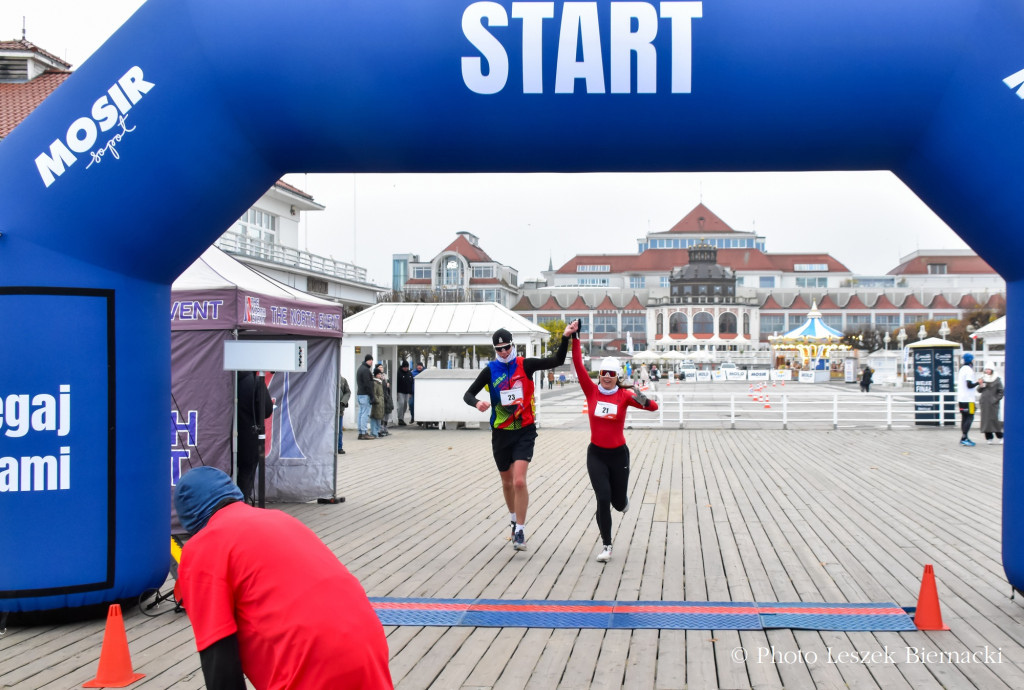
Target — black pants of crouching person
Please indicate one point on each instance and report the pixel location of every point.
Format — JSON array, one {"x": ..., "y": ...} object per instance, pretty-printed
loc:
[{"x": 609, "y": 475}]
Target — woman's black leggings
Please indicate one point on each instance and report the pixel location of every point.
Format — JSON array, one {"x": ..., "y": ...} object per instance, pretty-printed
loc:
[{"x": 609, "y": 475}]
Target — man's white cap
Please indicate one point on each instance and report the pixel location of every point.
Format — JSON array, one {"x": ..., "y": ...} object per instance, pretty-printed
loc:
[{"x": 609, "y": 364}]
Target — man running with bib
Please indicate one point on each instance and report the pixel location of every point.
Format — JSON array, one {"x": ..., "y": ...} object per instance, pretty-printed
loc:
[{"x": 509, "y": 381}]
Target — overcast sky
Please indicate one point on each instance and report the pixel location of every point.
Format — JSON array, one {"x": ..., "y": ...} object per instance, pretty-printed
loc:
[{"x": 866, "y": 220}]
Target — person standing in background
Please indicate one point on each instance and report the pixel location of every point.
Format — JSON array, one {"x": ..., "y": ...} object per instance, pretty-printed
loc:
[
  {"x": 412, "y": 398},
  {"x": 364, "y": 396},
  {"x": 254, "y": 407},
  {"x": 377, "y": 403},
  {"x": 991, "y": 394},
  {"x": 344, "y": 395},
  {"x": 966, "y": 397},
  {"x": 405, "y": 383}
]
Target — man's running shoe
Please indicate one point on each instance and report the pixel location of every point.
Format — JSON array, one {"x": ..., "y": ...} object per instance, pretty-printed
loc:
[
  {"x": 512, "y": 537},
  {"x": 519, "y": 540},
  {"x": 605, "y": 554},
  {"x": 967, "y": 442}
]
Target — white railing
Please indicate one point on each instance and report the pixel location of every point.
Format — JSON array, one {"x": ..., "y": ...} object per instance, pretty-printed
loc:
[
  {"x": 802, "y": 410},
  {"x": 234, "y": 243}
]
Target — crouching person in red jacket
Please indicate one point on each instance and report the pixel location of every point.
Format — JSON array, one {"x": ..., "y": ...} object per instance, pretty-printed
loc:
[{"x": 268, "y": 599}]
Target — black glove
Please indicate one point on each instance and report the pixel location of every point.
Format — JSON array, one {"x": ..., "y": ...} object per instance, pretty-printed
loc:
[{"x": 579, "y": 325}]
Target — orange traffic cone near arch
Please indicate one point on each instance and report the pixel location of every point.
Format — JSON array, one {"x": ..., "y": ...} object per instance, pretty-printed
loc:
[
  {"x": 928, "y": 615},
  {"x": 115, "y": 669}
]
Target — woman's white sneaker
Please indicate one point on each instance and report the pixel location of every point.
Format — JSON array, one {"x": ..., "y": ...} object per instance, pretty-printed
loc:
[{"x": 605, "y": 554}]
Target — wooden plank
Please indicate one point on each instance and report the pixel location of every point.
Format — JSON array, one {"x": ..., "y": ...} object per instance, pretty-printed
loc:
[{"x": 761, "y": 515}]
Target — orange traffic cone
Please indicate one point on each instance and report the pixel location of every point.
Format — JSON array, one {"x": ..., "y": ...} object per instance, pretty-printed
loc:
[
  {"x": 928, "y": 615},
  {"x": 115, "y": 669},
  {"x": 767, "y": 403},
  {"x": 584, "y": 410}
]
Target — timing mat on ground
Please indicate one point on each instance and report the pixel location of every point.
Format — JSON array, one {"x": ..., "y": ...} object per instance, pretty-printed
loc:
[{"x": 662, "y": 615}]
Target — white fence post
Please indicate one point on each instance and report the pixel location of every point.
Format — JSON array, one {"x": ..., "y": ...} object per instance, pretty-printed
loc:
[{"x": 835, "y": 411}]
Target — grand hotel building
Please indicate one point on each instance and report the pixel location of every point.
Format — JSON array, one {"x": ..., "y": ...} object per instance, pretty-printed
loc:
[{"x": 702, "y": 285}]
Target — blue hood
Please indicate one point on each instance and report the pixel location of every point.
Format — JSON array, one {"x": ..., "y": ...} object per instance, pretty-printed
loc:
[{"x": 198, "y": 494}]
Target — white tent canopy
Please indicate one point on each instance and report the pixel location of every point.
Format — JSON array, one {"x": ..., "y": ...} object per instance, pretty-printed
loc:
[
  {"x": 993, "y": 333},
  {"x": 386, "y": 330},
  {"x": 459, "y": 323}
]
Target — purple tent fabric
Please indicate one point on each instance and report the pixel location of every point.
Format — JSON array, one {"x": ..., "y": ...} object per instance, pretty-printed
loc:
[{"x": 222, "y": 299}]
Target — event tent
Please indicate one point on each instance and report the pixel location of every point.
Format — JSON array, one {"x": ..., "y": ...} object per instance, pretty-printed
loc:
[{"x": 216, "y": 299}]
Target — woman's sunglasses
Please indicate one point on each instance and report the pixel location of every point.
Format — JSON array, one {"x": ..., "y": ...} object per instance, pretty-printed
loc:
[
  {"x": 502, "y": 348},
  {"x": 610, "y": 373}
]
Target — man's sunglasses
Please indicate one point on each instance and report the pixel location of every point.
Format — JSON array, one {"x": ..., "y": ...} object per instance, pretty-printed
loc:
[{"x": 502, "y": 348}]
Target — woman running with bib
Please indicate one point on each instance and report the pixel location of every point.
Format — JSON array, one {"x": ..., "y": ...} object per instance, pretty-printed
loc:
[{"x": 607, "y": 454}]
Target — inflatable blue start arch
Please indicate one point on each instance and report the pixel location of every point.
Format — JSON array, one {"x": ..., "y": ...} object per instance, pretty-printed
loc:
[{"x": 191, "y": 111}]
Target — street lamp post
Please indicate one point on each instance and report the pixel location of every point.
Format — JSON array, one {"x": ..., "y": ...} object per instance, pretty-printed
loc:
[
  {"x": 944, "y": 330},
  {"x": 922, "y": 333}
]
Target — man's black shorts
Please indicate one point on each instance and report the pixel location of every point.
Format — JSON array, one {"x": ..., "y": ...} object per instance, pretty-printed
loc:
[{"x": 516, "y": 444}]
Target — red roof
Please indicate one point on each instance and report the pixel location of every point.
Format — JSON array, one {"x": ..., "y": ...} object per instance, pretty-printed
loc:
[
  {"x": 954, "y": 264},
  {"x": 771, "y": 303},
  {"x": 701, "y": 220},
  {"x": 912, "y": 302},
  {"x": 484, "y": 281},
  {"x": 996, "y": 302},
  {"x": 606, "y": 303},
  {"x": 827, "y": 302},
  {"x": 21, "y": 45},
  {"x": 799, "y": 303},
  {"x": 968, "y": 302},
  {"x": 578, "y": 303},
  {"x": 294, "y": 190},
  {"x": 464, "y": 247},
  {"x": 883, "y": 302},
  {"x": 550, "y": 305},
  {"x": 524, "y": 304},
  {"x": 940, "y": 302},
  {"x": 18, "y": 100},
  {"x": 855, "y": 303},
  {"x": 664, "y": 260},
  {"x": 634, "y": 305}
]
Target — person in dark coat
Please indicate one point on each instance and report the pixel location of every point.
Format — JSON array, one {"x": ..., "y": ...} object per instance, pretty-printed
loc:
[
  {"x": 364, "y": 396},
  {"x": 254, "y": 407},
  {"x": 389, "y": 401},
  {"x": 991, "y": 393},
  {"x": 377, "y": 406},
  {"x": 405, "y": 383},
  {"x": 865, "y": 379}
]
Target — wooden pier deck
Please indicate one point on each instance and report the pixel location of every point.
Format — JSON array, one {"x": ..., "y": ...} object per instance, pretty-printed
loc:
[{"x": 716, "y": 515}]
